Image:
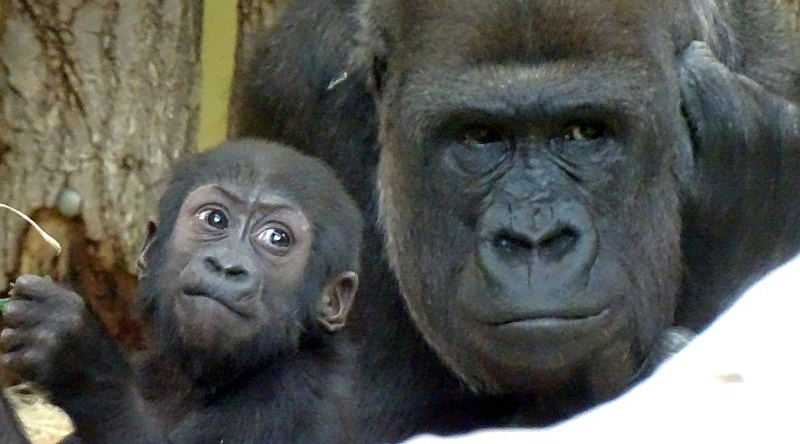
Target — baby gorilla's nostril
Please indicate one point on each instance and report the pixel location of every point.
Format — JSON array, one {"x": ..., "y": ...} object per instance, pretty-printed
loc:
[
  {"x": 233, "y": 273},
  {"x": 236, "y": 273},
  {"x": 558, "y": 243},
  {"x": 212, "y": 264}
]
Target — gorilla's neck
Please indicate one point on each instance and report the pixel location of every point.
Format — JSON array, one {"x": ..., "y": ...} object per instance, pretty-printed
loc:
[{"x": 204, "y": 376}]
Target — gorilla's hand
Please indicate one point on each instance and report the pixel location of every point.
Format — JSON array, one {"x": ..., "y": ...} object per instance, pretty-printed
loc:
[
  {"x": 51, "y": 338},
  {"x": 742, "y": 209},
  {"x": 744, "y": 135}
]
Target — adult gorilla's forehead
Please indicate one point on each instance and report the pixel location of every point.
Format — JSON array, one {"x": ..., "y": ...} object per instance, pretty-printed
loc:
[
  {"x": 509, "y": 90},
  {"x": 481, "y": 30}
]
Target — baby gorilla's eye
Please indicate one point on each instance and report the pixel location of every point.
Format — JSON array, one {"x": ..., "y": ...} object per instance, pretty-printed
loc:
[
  {"x": 276, "y": 239},
  {"x": 214, "y": 218}
]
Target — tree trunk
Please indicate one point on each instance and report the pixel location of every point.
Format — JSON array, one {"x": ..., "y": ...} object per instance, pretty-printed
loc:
[
  {"x": 97, "y": 97},
  {"x": 254, "y": 18}
]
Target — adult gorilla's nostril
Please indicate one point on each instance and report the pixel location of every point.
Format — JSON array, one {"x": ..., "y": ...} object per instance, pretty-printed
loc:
[
  {"x": 550, "y": 245},
  {"x": 554, "y": 245},
  {"x": 512, "y": 243}
]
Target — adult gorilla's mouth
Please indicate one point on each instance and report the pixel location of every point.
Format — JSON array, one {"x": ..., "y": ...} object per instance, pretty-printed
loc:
[{"x": 550, "y": 320}]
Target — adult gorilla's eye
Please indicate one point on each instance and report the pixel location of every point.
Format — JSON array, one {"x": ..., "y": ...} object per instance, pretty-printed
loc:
[
  {"x": 276, "y": 239},
  {"x": 478, "y": 149},
  {"x": 214, "y": 218},
  {"x": 479, "y": 135},
  {"x": 583, "y": 131}
]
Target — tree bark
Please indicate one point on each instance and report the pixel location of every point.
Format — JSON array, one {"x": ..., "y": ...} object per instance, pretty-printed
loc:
[
  {"x": 793, "y": 8},
  {"x": 97, "y": 97},
  {"x": 254, "y": 19}
]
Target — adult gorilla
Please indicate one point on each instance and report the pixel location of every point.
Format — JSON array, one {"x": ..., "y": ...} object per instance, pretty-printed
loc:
[{"x": 554, "y": 197}]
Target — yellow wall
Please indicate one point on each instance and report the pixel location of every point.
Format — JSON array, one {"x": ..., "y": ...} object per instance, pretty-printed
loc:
[{"x": 217, "y": 53}]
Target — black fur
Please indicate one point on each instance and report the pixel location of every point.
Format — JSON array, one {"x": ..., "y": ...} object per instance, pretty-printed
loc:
[
  {"x": 715, "y": 149},
  {"x": 287, "y": 92}
]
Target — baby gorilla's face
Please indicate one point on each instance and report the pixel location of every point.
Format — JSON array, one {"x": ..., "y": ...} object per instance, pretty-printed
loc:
[
  {"x": 251, "y": 260},
  {"x": 238, "y": 258}
]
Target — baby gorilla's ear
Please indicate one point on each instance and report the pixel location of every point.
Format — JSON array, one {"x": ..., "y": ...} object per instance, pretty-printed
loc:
[
  {"x": 145, "y": 255},
  {"x": 337, "y": 298}
]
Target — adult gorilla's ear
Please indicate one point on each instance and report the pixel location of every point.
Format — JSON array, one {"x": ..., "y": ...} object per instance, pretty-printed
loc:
[
  {"x": 337, "y": 299},
  {"x": 741, "y": 213},
  {"x": 145, "y": 256}
]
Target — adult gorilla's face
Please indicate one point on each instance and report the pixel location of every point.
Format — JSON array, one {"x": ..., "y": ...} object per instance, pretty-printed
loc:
[{"x": 530, "y": 186}]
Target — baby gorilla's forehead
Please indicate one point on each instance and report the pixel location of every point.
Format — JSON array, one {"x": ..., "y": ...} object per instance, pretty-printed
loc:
[{"x": 265, "y": 192}]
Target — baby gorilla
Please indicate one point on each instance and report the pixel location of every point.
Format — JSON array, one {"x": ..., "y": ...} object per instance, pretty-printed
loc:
[{"x": 247, "y": 274}]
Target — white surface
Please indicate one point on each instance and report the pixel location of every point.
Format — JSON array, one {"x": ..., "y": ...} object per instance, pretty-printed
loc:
[{"x": 737, "y": 382}]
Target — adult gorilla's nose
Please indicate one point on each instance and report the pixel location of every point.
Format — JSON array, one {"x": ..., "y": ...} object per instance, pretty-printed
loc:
[
  {"x": 540, "y": 233},
  {"x": 550, "y": 243},
  {"x": 539, "y": 254}
]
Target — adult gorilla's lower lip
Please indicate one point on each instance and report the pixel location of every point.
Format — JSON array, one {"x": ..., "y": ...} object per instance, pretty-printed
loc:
[{"x": 551, "y": 321}]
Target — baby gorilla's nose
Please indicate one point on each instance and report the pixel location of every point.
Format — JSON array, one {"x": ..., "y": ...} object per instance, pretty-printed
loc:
[
  {"x": 222, "y": 273},
  {"x": 231, "y": 271}
]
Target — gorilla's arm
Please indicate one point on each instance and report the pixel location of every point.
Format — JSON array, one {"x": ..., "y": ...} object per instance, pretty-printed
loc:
[
  {"x": 10, "y": 428},
  {"x": 743, "y": 209},
  {"x": 53, "y": 339}
]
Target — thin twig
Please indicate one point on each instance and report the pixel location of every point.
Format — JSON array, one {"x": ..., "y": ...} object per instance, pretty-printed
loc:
[{"x": 49, "y": 239}]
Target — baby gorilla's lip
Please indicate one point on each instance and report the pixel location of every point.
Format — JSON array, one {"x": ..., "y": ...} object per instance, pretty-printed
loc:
[{"x": 199, "y": 291}]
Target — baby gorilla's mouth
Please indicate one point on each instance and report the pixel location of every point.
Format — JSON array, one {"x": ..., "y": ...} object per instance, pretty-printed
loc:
[{"x": 197, "y": 292}]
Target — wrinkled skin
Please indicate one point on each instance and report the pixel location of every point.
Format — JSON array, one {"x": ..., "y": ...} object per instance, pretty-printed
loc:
[{"x": 244, "y": 279}]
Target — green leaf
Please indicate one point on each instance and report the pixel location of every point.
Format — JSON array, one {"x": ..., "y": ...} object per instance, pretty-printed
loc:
[{"x": 10, "y": 295}]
